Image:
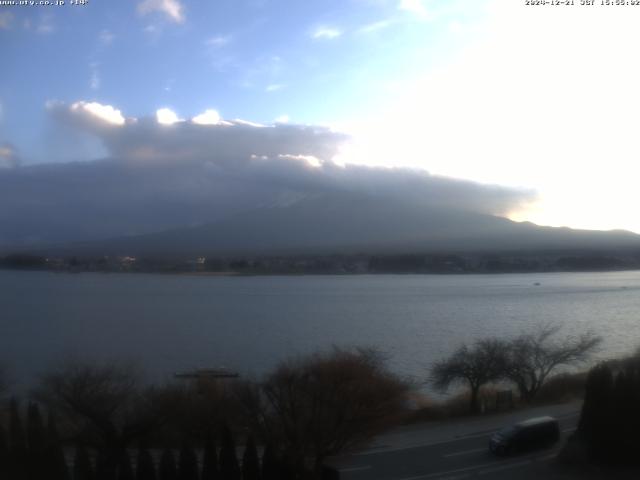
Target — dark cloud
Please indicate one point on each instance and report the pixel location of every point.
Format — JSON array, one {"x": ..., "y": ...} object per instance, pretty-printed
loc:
[{"x": 161, "y": 176}]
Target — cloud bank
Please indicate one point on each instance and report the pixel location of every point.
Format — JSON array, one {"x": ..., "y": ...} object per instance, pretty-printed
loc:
[
  {"x": 158, "y": 176},
  {"x": 516, "y": 107}
]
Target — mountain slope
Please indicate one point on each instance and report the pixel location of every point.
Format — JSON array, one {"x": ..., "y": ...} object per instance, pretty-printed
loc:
[{"x": 356, "y": 223}]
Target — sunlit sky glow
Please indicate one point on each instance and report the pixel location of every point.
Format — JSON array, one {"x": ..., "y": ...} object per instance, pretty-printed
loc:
[{"x": 494, "y": 91}]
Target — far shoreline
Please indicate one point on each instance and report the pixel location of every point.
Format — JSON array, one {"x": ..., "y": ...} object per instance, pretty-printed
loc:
[{"x": 310, "y": 274}]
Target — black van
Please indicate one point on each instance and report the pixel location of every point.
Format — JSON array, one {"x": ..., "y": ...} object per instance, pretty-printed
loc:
[{"x": 526, "y": 435}]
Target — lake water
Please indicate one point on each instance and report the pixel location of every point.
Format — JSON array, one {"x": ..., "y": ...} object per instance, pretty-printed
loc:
[{"x": 172, "y": 323}]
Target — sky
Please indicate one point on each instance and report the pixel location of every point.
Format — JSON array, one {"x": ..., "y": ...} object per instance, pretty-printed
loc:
[{"x": 538, "y": 103}]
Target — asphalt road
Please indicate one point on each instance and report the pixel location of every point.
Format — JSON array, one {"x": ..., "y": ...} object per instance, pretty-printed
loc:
[{"x": 454, "y": 451}]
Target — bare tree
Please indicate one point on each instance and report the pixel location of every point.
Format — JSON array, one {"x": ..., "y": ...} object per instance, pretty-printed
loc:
[
  {"x": 103, "y": 403},
  {"x": 474, "y": 365},
  {"x": 325, "y": 404},
  {"x": 532, "y": 357}
]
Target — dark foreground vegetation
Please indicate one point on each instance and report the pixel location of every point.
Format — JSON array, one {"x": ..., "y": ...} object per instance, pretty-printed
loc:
[
  {"x": 609, "y": 424},
  {"x": 281, "y": 428},
  {"x": 99, "y": 422}
]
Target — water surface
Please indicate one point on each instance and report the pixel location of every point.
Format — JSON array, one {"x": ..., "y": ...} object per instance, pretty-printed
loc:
[{"x": 169, "y": 323}]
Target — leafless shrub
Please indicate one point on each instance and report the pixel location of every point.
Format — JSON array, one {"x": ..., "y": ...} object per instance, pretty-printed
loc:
[
  {"x": 325, "y": 404},
  {"x": 104, "y": 405}
]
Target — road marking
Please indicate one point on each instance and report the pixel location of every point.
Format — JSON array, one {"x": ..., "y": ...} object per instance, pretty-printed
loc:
[
  {"x": 448, "y": 472},
  {"x": 475, "y": 434},
  {"x": 466, "y": 452},
  {"x": 504, "y": 467},
  {"x": 378, "y": 451},
  {"x": 488, "y": 467},
  {"x": 545, "y": 458},
  {"x": 355, "y": 469}
]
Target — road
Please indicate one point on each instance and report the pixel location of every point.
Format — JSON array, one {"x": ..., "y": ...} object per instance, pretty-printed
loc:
[{"x": 455, "y": 450}]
